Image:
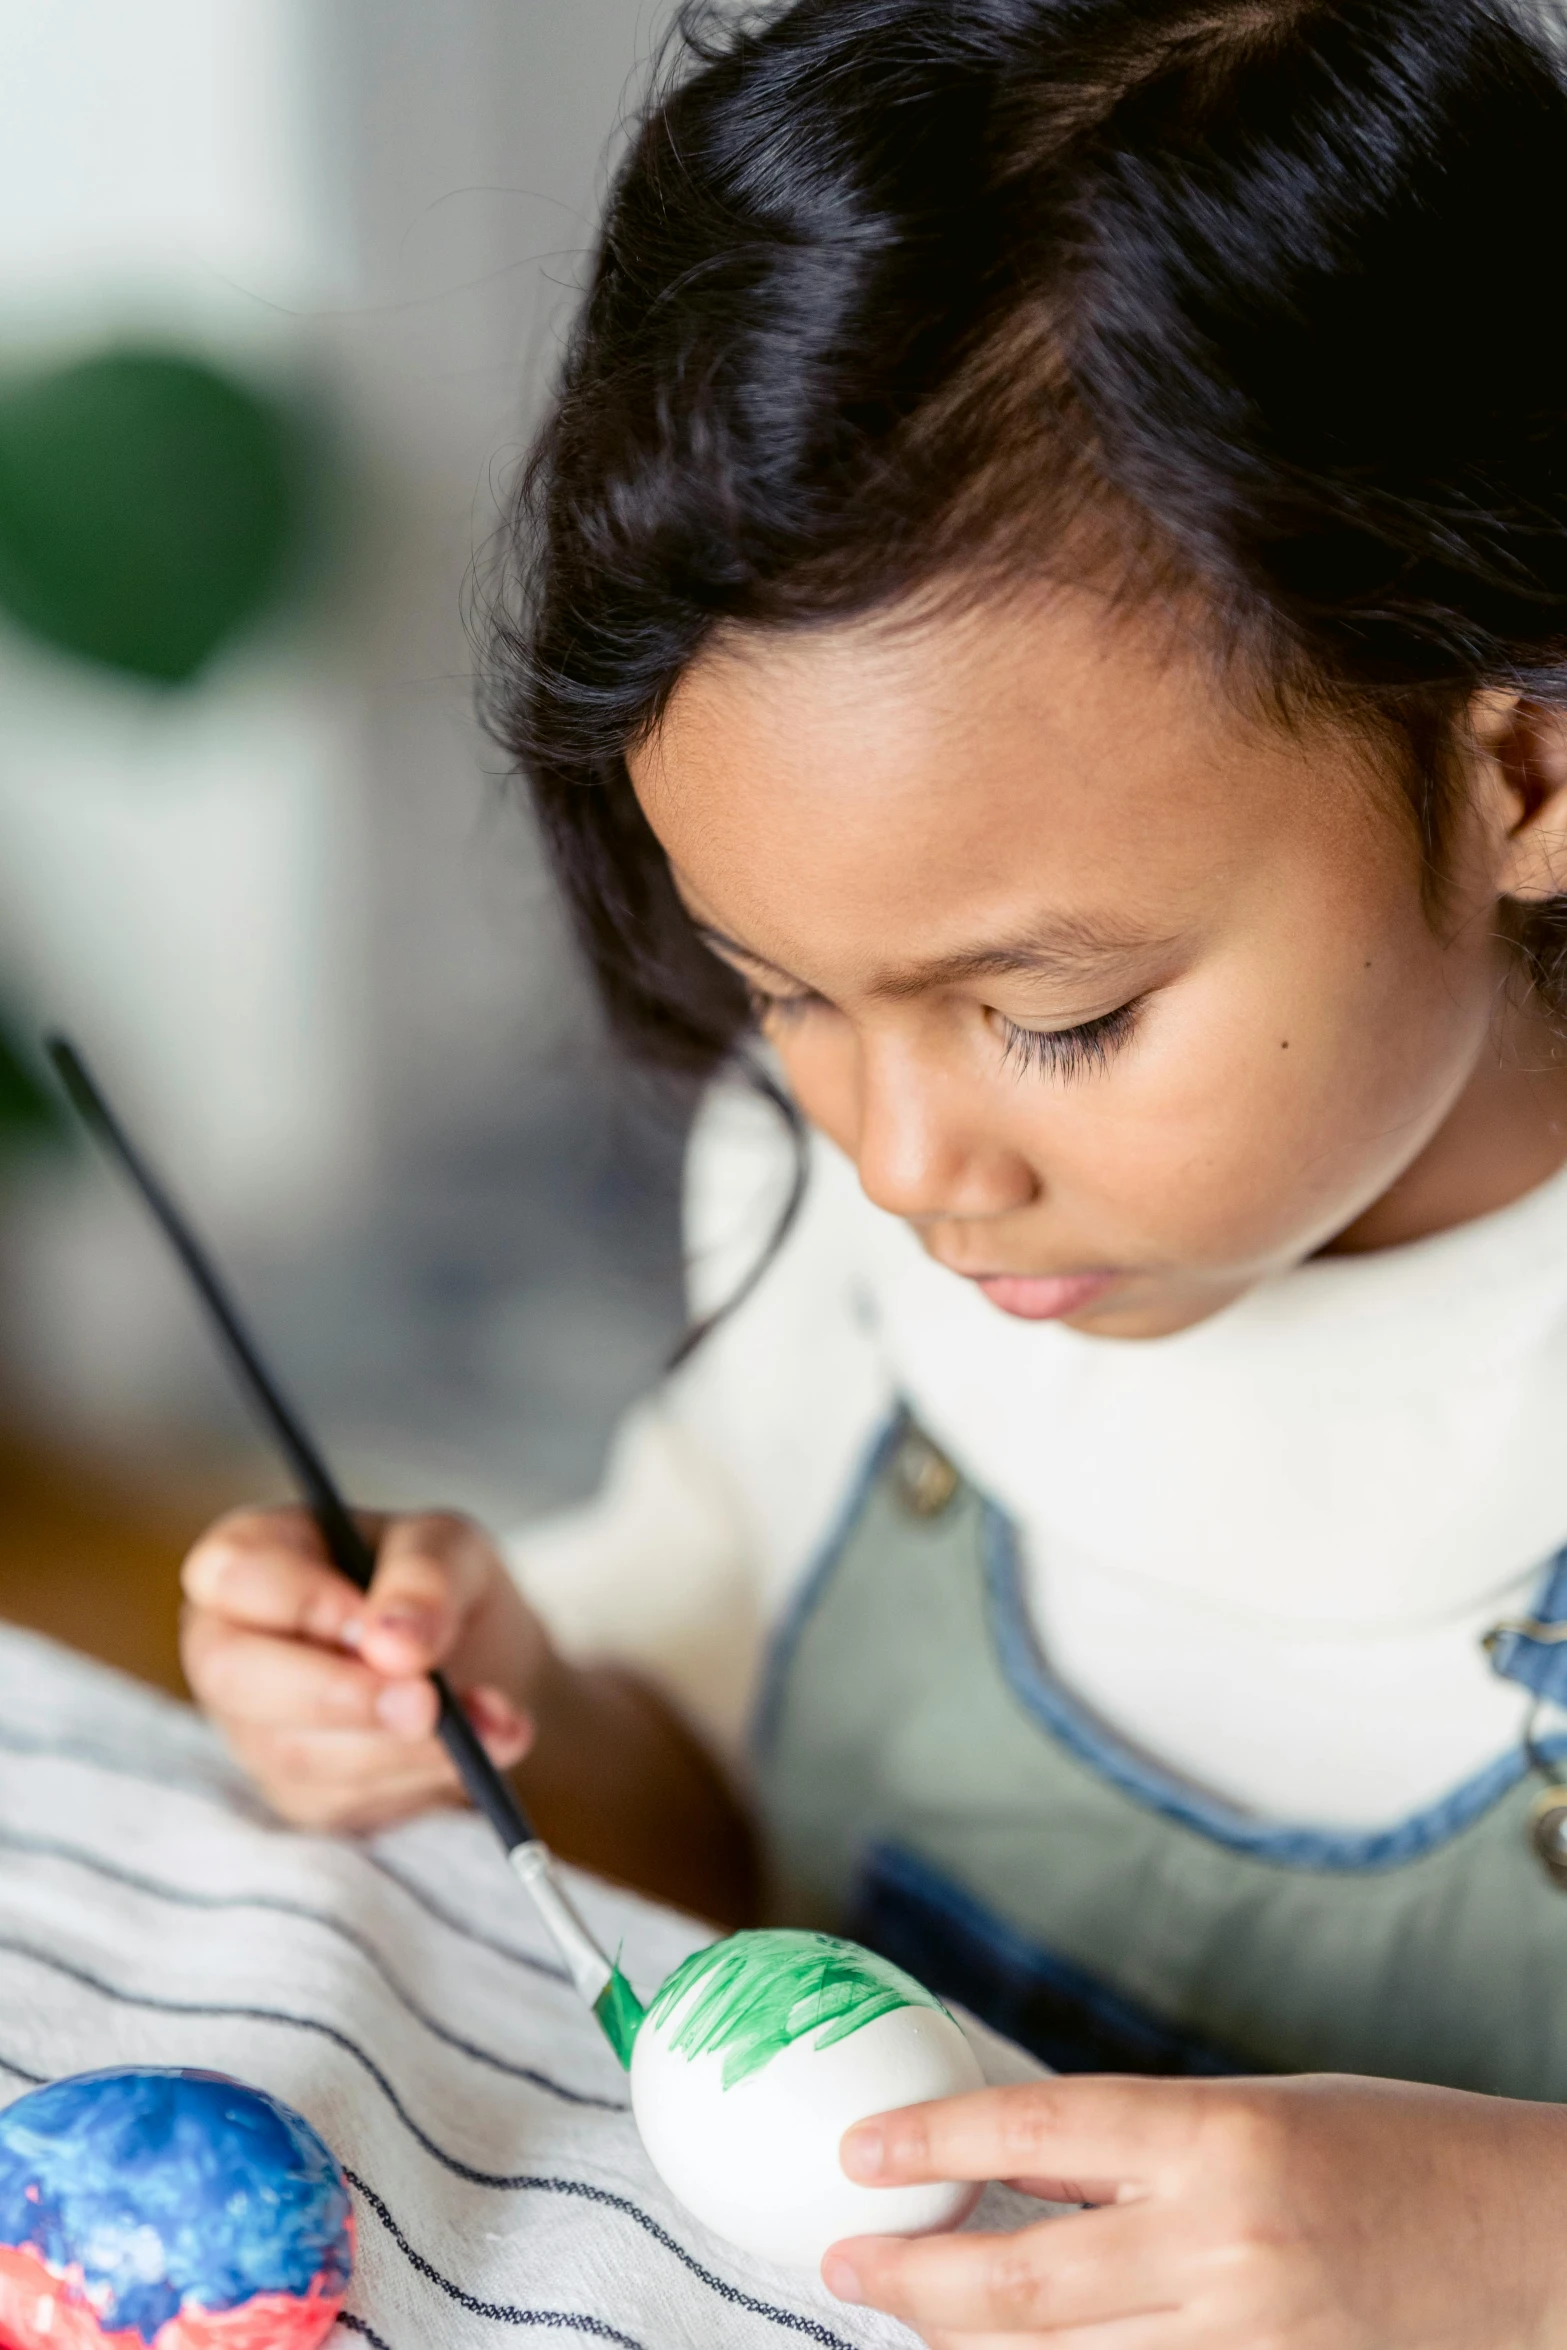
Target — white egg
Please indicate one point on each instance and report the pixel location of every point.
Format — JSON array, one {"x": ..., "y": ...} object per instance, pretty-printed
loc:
[{"x": 749, "y": 2141}]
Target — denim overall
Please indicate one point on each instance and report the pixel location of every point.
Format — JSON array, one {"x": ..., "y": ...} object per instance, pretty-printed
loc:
[{"x": 931, "y": 1790}]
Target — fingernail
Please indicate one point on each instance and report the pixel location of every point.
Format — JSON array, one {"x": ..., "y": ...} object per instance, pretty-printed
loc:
[
  {"x": 352, "y": 1634},
  {"x": 403, "y": 1707},
  {"x": 409, "y": 1623},
  {"x": 511, "y": 1745},
  {"x": 840, "y": 2278},
  {"x": 492, "y": 1714},
  {"x": 862, "y": 2151}
]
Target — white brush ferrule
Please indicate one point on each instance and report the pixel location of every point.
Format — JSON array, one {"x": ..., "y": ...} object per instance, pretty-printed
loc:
[{"x": 589, "y": 1969}]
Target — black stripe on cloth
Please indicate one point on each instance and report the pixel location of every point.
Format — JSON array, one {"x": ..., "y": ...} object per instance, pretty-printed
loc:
[
  {"x": 242, "y": 1800},
  {"x": 160, "y": 1890},
  {"x": 235, "y": 1794},
  {"x": 435, "y": 1908},
  {"x": 356, "y": 2325},
  {"x": 585, "y": 2192},
  {"x": 234, "y": 2012},
  {"x": 20, "y": 2072},
  {"x": 504, "y": 2313}
]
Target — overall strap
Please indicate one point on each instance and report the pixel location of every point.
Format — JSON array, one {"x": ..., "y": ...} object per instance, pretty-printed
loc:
[
  {"x": 929, "y": 1786},
  {"x": 1532, "y": 1649}
]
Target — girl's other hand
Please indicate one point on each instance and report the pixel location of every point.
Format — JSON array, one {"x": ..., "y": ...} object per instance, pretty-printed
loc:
[
  {"x": 322, "y": 1690},
  {"x": 1314, "y": 2213}
]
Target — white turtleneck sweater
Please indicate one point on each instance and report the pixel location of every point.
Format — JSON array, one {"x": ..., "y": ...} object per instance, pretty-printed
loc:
[{"x": 1263, "y": 1550}]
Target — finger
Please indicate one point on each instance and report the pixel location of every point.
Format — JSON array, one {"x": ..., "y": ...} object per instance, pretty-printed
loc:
[
  {"x": 1084, "y": 2271},
  {"x": 353, "y": 1779},
  {"x": 1108, "y": 2129},
  {"x": 246, "y": 1676},
  {"x": 1161, "y": 2331},
  {"x": 505, "y": 1734},
  {"x": 1090, "y": 2191},
  {"x": 269, "y": 1569},
  {"x": 344, "y": 1780},
  {"x": 429, "y": 1572},
  {"x": 298, "y": 1750}
]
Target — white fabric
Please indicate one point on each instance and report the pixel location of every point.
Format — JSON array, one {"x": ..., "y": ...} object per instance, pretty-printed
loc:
[
  {"x": 402, "y": 1996},
  {"x": 1263, "y": 1549}
]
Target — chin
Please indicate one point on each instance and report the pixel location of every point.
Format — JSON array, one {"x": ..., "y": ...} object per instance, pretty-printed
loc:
[{"x": 1131, "y": 1317}]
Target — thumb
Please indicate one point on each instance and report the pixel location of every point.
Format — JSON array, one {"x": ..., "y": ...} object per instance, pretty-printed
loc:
[{"x": 431, "y": 1570}]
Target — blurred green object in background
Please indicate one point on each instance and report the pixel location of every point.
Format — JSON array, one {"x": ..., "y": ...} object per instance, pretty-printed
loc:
[{"x": 148, "y": 506}]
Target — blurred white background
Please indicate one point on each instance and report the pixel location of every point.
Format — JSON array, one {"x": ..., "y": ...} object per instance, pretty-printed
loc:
[{"x": 292, "y": 912}]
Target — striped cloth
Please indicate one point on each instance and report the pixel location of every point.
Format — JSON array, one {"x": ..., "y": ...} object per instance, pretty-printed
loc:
[{"x": 401, "y": 1995}]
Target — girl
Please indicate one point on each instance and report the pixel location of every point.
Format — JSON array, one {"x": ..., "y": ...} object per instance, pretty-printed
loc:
[{"x": 1044, "y": 594}]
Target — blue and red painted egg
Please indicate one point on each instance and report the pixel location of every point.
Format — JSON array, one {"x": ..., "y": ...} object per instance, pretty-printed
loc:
[{"x": 167, "y": 2210}]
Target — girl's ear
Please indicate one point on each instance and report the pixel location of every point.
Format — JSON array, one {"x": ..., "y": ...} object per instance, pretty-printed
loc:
[{"x": 1522, "y": 782}]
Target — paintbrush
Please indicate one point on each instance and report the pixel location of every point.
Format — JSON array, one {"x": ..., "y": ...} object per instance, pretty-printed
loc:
[{"x": 597, "y": 1977}]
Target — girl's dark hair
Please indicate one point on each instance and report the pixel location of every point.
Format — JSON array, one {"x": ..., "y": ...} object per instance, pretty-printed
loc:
[{"x": 1251, "y": 302}]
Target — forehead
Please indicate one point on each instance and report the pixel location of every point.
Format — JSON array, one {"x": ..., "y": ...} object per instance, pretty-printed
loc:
[{"x": 881, "y": 793}]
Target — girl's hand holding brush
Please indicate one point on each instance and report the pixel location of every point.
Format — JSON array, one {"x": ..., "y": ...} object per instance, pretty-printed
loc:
[{"x": 322, "y": 1692}]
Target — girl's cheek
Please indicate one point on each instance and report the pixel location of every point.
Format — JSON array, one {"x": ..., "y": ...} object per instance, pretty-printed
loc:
[{"x": 1258, "y": 1155}]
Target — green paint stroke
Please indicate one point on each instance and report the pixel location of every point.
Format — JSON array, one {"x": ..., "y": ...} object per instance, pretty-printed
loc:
[
  {"x": 756, "y": 1994},
  {"x": 620, "y": 2014}
]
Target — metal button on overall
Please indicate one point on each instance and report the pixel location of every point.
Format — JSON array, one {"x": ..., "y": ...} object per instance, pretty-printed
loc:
[
  {"x": 1532, "y": 1650},
  {"x": 923, "y": 1478},
  {"x": 1548, "y": 1833}
]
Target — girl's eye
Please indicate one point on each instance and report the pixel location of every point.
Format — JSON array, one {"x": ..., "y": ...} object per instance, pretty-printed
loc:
[{"x": 1066, "y": 1052}]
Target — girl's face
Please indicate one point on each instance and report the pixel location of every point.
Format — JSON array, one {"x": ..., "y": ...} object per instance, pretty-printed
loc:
[{"x": 1121, "y": 999}]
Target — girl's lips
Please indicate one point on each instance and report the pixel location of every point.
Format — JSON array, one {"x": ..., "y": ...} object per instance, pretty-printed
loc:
[{"x": 1042, "y": 1297}]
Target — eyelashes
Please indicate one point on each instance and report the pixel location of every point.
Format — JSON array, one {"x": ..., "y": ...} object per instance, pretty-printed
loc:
[
  {"x": 778, "y": 1008},
  {"x": 1066, "y": 1052}
]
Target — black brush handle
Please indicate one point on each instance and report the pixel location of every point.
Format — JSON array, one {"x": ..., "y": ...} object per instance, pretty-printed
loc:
[{"x": 346, "y": 1546}]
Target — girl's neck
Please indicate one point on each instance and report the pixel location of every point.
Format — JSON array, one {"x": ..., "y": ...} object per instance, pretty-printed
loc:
[{"x": 1506, "y": 1133}]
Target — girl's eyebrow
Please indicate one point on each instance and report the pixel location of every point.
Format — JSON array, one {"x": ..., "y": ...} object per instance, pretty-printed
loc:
[{"x": 1072, "y": 948}]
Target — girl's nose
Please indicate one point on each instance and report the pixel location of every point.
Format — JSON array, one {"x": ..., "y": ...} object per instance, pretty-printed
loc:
[{"x": 925, "y": 1152}]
